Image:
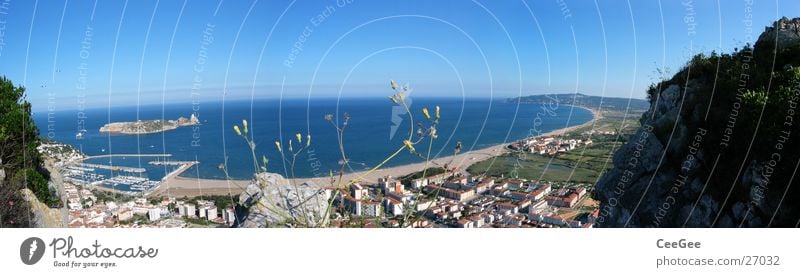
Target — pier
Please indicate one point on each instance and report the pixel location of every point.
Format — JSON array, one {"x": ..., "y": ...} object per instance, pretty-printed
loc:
[
  {"x": 171, "y": 162},
  {"x": 125, "y": 155},
  {"x": 183, "y": 167},
  {"x": 114, "y": 168}
]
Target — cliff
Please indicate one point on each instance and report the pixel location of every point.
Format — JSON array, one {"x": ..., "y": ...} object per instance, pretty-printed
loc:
[
  {"x": 42, "y": 215},
  {"x": 718, "y": 146},
  {"x": 148, "y": 126}
]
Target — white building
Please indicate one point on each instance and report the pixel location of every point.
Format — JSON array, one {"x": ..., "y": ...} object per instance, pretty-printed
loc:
[
  {"x": 202, "y": 212},
  {"x": 229, "y": 216},
  {"x": 353, "y": 205},
  {"x": 537, "y": 207},
  {"x": 419, "y": 183},
  {"x": 211, "y": 211},
  {"x": 125, "y": 214},
  {"x": 74, "y": 205},
  {"x": 140, "y": 210},
  {"x": 189, "y": 210},
  {"x": 371, "y": 209},
  {"x": 154, "y": 214},
  {"x": 358, "y": 192},
  {"x": 182, "y": 209},
  {"x": 393, "y": 206}
]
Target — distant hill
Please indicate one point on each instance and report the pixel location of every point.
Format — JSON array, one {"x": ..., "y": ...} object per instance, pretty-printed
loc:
[{"x": 589, "y": 101}]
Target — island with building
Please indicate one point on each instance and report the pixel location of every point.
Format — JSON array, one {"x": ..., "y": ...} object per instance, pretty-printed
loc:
[{"x": 148, "y": 126}]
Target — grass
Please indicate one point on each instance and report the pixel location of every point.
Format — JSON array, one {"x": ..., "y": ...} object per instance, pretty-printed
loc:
[
  {"x": 584, "y": 164},
  {"x": 572, "y": 166},
  {"x": 407, "y": 179},
  {"x": 199, "y": 222},
  {"x": 222, "y": 202}
]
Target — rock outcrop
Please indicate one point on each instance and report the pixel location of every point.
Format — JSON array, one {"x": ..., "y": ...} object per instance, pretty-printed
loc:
[
  {"x": 43, "y": 216},
  {"x": 719, "y": 145},
  {"x": 785, "y": 32},
  {"x": 272, "y": 201}
]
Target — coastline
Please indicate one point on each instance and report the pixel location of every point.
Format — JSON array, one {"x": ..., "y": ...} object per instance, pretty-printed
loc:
[{"x": 177, "y": 186}]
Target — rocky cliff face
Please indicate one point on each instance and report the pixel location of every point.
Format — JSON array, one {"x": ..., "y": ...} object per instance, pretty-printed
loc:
[
  {"x": 271, "y": 201},
  {"x": 785, "y": 32},
  {"x": 718, "y": 146},
  {"x": 44, "y": 216}
]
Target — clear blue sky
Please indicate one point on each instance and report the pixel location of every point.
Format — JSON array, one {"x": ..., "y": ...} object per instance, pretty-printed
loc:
[{"x": 499, "y": 48}]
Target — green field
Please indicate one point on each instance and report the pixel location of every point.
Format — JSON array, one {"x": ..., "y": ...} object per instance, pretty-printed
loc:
[
  {"x": 584, "y": 164},
  {"x": 581, "y": 165}
]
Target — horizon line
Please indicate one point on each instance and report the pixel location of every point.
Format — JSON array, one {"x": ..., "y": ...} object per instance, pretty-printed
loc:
[{"x": 46, "y": 108}]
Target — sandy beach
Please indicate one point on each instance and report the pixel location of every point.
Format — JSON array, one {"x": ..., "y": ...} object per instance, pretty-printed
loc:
[{"x": 177, "y": 186}]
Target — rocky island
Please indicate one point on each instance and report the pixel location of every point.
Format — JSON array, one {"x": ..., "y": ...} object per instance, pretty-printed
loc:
[{"x": 148, "y": 126}]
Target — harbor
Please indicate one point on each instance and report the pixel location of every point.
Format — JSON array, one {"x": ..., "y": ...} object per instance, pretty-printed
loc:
[{"x": 117, "y": 173}]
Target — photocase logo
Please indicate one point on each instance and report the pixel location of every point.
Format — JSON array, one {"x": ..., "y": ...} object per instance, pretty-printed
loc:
[
  {"x": 31, "y": 250},
  {"x": 398, "y": 111}
]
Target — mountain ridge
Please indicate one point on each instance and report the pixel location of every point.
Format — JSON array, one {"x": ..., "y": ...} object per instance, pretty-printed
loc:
[{"x": 584, "y": 100}]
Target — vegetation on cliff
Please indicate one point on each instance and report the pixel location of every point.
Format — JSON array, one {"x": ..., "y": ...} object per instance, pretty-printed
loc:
[
  {"x": 725, "y": 150},
  {"x": 19, "y": 159}
]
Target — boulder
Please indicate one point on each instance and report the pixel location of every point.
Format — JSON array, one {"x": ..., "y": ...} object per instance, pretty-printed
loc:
[{"x": 272, "y": 201}]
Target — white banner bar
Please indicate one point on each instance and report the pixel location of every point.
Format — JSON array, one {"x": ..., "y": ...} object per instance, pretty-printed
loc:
[{"x": 398, "y": 252}]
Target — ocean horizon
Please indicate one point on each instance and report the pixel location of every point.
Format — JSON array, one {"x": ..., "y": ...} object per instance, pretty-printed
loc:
[{"x": 377, "y": 127}]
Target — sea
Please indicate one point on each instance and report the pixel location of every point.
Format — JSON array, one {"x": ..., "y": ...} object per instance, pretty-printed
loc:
[{"x": 376, "y": 128}]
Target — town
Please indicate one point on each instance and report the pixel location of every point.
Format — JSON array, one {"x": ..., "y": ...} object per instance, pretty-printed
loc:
[
  {"x": 94, "y": 209},
  {"x": 452, "y": 200},
  {"x": 548, "y": 146},
  {"x": 446, "y": 199},
  {"x": 89, "y": 204}
]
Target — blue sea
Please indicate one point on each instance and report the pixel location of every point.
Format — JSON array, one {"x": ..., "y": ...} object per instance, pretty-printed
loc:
[{"x": 368, "y": 139}]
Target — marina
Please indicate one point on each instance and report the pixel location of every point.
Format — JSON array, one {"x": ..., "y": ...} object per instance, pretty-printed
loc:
[
  {"x": 115, "y": 168},
  {"x": 133, "y": 183},
  {"x": 118, "y": 172}
]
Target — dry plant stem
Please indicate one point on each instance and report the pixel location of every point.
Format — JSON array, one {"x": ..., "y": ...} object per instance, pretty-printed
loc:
[
  {"x": 330, "y": 204},
  {"x": 399, "y": 98},
  {"x": 292, "y": 162},
  {"x": 424, "y": 174},
  {"x": 340, "y": 138},
  {"x": 252, "y": 147},
  {"x": 361, "y": 176},
  {"x": 410, "y": 136}
]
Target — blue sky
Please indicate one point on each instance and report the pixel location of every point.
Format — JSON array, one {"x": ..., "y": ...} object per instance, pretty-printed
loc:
[{"x": 147, "y": 52}]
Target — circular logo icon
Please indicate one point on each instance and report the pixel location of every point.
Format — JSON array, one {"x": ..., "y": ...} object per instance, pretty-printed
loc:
[{"x": 31, "y": 250}]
